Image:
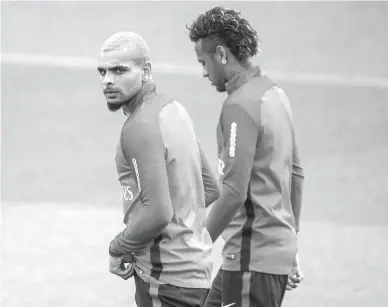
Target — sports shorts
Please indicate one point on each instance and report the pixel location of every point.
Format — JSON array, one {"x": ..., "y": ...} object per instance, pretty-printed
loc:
[
  {"x": 246, "y": 289},
  {"x": 150, "y": 294}
]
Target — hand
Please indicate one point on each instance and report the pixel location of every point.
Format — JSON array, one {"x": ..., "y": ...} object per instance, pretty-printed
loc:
[
  {"x": 120, "y": 267},
  {"x": 295, "y": 277}
]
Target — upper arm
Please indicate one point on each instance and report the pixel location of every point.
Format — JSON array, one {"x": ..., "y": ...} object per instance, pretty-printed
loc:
[
  {"x": 240, "y": 134},
  {"x": 296, "y": 164},
  {"x": 143, "y": 147}
]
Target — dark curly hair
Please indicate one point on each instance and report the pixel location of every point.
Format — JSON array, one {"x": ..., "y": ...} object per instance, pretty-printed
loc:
[{"x": 228, "y": 27}]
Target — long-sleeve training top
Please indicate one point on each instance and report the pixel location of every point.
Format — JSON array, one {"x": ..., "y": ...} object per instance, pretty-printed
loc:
[
  {"x": 261, "y": 179},
  {"x": 167, "y": 183}
]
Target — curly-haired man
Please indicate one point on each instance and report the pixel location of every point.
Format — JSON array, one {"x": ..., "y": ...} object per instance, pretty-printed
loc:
[{"x": 259, "y": 208}]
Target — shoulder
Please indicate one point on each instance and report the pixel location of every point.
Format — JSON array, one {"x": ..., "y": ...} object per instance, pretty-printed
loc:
[
  {"x": 250, "y": 94},
  {"x": 144, "y": 126},
  {"x": 248, "y": 98},
  {"x": 155, "y": 112},
  {"x": 173, "y": 109},
  {"x": 175, "y": 121},
  {"x": 140, "y": 136},
  {"x": 147, "y": 116},
  {"x": 277, "y": 95}
]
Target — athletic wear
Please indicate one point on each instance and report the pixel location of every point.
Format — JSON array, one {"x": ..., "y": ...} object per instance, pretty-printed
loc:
[
  {"x": 258, "y": 159},
  {"x": 246, "y": 289},
  {"x": 167, "y": 183},
  {"x": 163, "y": 295}
]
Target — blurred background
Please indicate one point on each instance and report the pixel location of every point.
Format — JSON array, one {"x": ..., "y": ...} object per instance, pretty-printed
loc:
[{"x": 59, "y": 189}]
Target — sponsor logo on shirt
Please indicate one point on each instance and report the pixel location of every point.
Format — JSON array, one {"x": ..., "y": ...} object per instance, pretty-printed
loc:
[
  {"x": 137, "y": 173},
  {"x": 127, "y": 193},
  {"x": 221, "y": 165},
  {"x": 233, "y": 136}
]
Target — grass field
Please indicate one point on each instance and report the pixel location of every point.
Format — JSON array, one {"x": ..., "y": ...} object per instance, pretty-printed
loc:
[{"x": 60, "y": 195}]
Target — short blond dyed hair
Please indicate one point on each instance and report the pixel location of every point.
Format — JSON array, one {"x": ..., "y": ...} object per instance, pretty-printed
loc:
[{"x": 128, "y": 42}]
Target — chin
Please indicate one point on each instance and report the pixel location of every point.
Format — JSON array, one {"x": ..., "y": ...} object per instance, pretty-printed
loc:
[
  {"x": 220, "y": 89},
  {"x": 114, "y": 106}
]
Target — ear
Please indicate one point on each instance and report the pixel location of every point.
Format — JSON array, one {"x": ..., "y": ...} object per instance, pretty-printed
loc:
[
  {"x": 221, "y": 54},
  {"x": 146, "y": 71}
]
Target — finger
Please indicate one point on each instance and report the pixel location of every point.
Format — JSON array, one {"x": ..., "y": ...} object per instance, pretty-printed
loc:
[
  {"x": 296, "y": 278},
  {"x": 290, "y": 287},
  {"x": 115, "y": 270},
  {"x": 127, "y": 273},
  {"x": 291, "y": 284},
  {"x": 299, "y": 274},
  {"x": 120, "y": 273}
]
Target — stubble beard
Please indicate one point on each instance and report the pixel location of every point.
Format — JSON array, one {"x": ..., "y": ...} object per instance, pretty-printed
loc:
[
  {"x": 221, "y": 88},
  {"x": 114, "y": 107}
]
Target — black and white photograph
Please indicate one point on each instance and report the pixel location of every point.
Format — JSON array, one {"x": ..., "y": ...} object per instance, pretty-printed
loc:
[{"x": 194, "y": 154}]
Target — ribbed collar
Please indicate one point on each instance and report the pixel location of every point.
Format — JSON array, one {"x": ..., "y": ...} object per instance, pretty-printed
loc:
[
  {"x": 242, "y": 78},
  {"x": 148, "y": 88}
]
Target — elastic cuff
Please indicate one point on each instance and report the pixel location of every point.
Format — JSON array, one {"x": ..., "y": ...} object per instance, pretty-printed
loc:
[{"x": 114, "y": 254}]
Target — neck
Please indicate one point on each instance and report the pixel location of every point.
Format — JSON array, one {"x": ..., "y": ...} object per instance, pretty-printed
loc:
[
  {"x": 238, "y": 68},
  {"x": 134, "y": 103}
]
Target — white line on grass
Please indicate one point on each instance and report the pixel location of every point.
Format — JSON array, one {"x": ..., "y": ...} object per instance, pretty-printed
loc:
[{"x": 177, "y": 69}]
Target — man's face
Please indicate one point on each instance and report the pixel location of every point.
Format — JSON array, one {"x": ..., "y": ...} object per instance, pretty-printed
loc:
[
  {"x": 121, "y": 77},
  {"x": 212, "y": 69}
]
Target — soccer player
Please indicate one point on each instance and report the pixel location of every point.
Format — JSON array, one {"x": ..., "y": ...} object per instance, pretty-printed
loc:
[
  {"x": 166, "y": 183},
  {"x": 259, "y": 208}
]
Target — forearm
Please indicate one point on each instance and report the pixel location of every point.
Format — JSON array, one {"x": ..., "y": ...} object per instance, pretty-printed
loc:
[
  {"x": 210, "y": 182},
  {"x": 211, "y": 185},
  {"x": 212, "y": 191},
  {"x": 211, "y": 196},
  {"x": 296, "y": 195},
  {"x": 137, "y": 236},
  {"x": 224, "y": 209}
]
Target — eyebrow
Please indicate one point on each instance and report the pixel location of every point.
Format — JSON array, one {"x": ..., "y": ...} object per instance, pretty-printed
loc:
[{"x": 122, "y": 67}]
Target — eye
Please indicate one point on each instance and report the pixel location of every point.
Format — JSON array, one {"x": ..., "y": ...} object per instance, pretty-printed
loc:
[
  {"x": 102, "y": 72},
  {"x": 119, "y": 71},
  {"x": 201, "y": 62}
]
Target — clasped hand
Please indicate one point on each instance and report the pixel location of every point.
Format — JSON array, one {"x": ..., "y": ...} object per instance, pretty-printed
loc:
[{"x": 121, "y": 266}]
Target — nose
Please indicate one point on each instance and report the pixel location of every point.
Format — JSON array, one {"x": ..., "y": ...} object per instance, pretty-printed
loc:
[
  {"x": 108, "y": 79},
  {"x": 205, "y": 73}
]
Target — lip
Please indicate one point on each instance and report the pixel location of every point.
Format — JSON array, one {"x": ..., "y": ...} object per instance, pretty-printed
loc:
[{"x": 110, "y": 92}]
